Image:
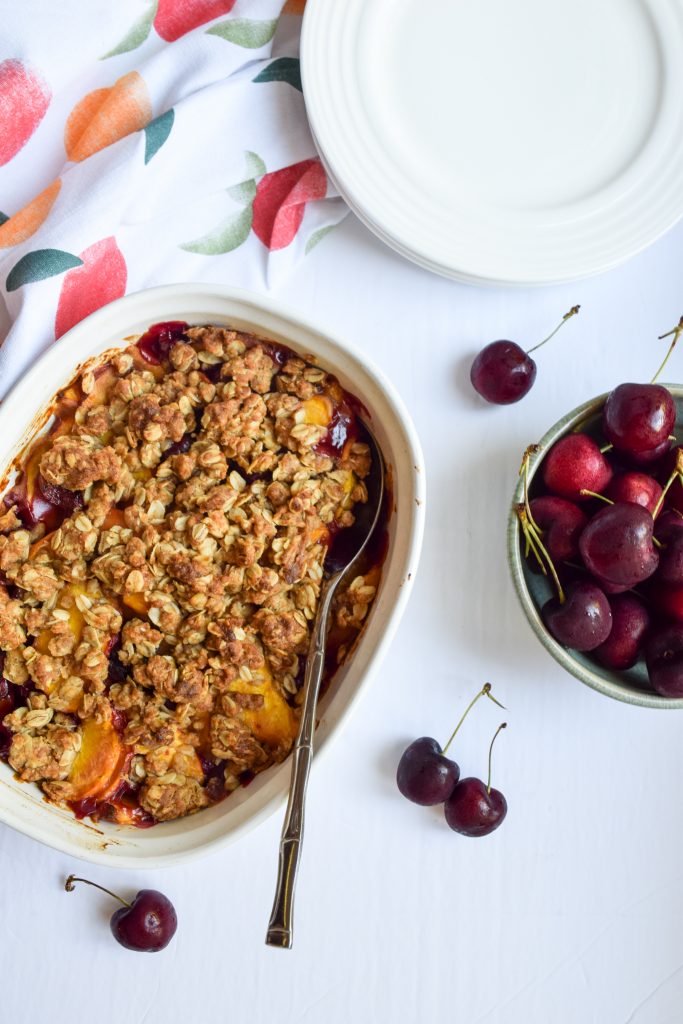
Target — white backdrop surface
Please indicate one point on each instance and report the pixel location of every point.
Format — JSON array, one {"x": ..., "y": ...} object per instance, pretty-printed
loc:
[{"x": 571, "y": 913}]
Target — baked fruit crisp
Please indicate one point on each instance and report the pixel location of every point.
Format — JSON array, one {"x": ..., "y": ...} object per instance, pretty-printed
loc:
[{"x": 161, "y": 553}]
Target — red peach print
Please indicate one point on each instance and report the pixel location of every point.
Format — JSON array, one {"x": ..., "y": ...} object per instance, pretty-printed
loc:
[
  {"x": 24, "y": 98},
  {"x": 176, "y": 17},
  {"x": 100, "y": 280},
  {"x": 281, "y": 199}
]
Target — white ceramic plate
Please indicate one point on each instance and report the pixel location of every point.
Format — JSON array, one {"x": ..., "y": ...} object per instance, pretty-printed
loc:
[
  {"x": 503, "y": 143},
  {"x": 21, "y": 804}
]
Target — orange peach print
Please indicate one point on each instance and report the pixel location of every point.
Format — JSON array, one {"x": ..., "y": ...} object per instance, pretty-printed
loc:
[
  {"x": 106, "y": 115},
  {"x": 26, "y": 221}
]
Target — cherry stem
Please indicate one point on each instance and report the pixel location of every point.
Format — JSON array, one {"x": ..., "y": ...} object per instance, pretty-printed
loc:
[
  {"x": 677, "y": 472},
  {"x": 530, "y": 450},
  {"x": 606, "y": 448},
  {"x": 532, "y": 536},
  {"x": 572, "y": 312},
  {"x": 503, "y": 725},
  {"x": 69, "y": 886},
  {"x": 484, "y": 692},
  {"x": 676, "y": 331},
  {"x": 531, "y": 546},
  {"x": 594, "y": 494}
]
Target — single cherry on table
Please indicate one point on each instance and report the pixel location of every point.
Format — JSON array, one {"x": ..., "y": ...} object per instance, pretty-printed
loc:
[
  {"x": 146, "y": 925},
  {"x": 503, "y": 372}
]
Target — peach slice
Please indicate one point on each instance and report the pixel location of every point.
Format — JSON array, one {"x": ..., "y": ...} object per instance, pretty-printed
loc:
[
  {"x": 40, "y": 545},
  {"x": 317, "y": 411},
  {"x": 67, "y": 599},
  {"x": 273, "y": 723},
  {"x": 105, "y": 379},
  {"x": 137, "y": 603},
  {"x": 140, "y": 363},
  {"x": 114, "y": 517},
  {"x": 97, "y": 769}
]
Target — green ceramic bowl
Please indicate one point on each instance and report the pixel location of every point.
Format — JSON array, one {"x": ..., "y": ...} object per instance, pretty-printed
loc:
[{"x": 534, "y": 589}]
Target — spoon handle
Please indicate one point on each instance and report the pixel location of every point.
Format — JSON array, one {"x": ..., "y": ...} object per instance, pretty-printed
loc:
[{"x": 280, "y": 924}]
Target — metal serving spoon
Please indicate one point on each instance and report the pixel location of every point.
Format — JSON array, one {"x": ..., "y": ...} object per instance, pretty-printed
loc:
[{"x": 342, "y": 555}]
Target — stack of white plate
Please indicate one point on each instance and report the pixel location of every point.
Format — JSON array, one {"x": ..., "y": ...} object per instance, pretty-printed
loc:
[{"x": 502, "y": 141}]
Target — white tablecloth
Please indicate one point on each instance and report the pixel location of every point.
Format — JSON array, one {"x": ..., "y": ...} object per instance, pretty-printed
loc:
[{"x": 571, "y": 912}]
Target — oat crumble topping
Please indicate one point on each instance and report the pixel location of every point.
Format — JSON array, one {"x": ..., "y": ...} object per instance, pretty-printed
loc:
[{"x": 161, "y": 554}]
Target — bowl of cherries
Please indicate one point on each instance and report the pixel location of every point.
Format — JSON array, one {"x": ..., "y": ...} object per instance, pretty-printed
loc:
[{"x": 595, "y": 542}]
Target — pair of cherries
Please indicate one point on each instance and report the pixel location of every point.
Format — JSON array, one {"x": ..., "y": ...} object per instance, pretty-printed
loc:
[{"x": 427, "y": 777}]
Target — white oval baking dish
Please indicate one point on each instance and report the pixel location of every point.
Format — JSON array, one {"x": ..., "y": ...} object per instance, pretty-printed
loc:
[{"x": 21, "y": 804}]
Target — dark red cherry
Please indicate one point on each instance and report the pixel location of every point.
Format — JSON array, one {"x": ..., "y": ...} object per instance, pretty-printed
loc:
[
  {"x": 179, "y": 447},
  {"x": 610, "y": 588},
  {"x": 630, "y": 623},
  {"x": 639, "y": 488},
  {"x": 157, "y": 341},
  {"x": 674, "y": 496},
  {"x": 472, "y": 810},
  {"x": 669, "y": 525},
  {"x": 575, "y": 464},
  {"x": 638, "y": 417},
  {"x": 503, "y": 373},
  {"x": 650, "y": 458},
  {"x": 670, "y": 568},
  {"x": 667, "y": 600},
  {"x": 475, "y": 809},
  {"x": 60, "y": 497},
  {"x": 664, "y": 660},
  {"x": 424, "y": 774},
  {"x": 562, "y": 523},
  {"x": 146, "y": 925},
  {"x": 617, "y": 544},
  {"x": 583, "y": 621}
]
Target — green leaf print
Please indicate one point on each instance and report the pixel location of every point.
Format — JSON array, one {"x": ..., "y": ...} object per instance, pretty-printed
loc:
[
  {"x": 38, "y": 265},
  {"x": 156, "y": 133},
  {"x": 282, "y": 69},
  {"x": 318, "y": 236},
  {"x": 230, "y": 235},
  {"x": 137, "y": 33},
  {"x": 243, "y": 32},
  {"x": 255, "y": 165},
  {"x": 244, "y": 193}
]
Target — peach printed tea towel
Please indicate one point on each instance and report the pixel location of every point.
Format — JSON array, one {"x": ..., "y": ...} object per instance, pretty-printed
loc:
[{"x": 145, "y": 142}]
